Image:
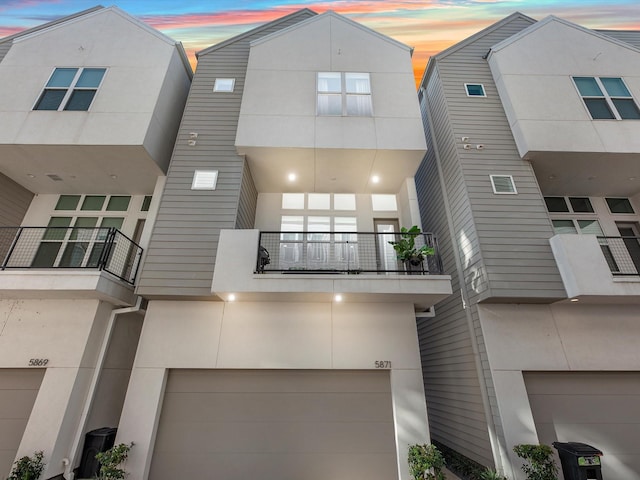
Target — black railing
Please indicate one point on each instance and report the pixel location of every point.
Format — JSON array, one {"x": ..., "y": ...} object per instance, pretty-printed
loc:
[
  {"x": 341, "y": 252},
  {"x": 99, "y": 248},
  {"x": 622, "y": 254}
]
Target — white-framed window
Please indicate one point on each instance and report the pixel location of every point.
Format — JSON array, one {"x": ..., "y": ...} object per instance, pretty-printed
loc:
[
  {"x": 382, "y": 202},
  {"x": 503, "y": 185},
  {"x": 293, "y": 201},
  {"x": 344, "y": 93},
  {"x": 475, "y": 90},
  {"x": 70, "y": 89},
  {"x": 619, "y": 205},
  {"x": 568, "y": 205},
  {"x": 224, "y": 85},
  {"x": 607, "y": 98},
  {"x": 344, "y": 201},
  {"x": 204, "y": 180}
]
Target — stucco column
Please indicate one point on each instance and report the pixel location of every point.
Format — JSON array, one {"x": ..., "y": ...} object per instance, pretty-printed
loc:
[{"x": 139, "y": 420}]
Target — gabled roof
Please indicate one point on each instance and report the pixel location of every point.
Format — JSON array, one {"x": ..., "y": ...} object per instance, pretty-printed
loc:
[
  {"x": 553, "y": 19},
  {"x": 332, "y": 14},
  {"x": 300, "y": 13},
  {"x": 632, "y": 37}
]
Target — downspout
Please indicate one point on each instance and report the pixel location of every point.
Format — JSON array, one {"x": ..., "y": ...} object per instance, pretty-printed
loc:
[{"x": 70, "y": 461}]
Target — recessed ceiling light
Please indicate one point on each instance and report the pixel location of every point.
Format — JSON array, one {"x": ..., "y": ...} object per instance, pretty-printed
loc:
[
  {"x": 338, "y": 297},
  {"x": 375, "y": 179},
  {"x": 292, "y": 177},
  {"x": 114, "y": 176},
  {"x": 31, "y": 175},
  {"x": 575, "y": 300},
  {"x": 231, "y": 297}
]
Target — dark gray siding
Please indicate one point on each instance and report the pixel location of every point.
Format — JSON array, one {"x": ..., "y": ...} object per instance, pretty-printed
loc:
[
  {"x": 14, "y": 202},
  {"x": 4, "y": 48},
  {"x": 181, "y": 253},
  {"x": 632, "y": 37},
  {"x": 248, "y": 200}
]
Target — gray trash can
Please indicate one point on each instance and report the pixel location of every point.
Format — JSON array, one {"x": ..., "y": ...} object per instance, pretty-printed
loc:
[{"x": 579, "y": 461}]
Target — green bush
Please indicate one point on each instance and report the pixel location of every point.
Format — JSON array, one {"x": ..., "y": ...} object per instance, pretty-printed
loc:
[
  {"x": 462, "y": 466},
  {"x": 27, "y": 468},
  {"x": 490, "y": 474},
  {"x": 111, "y": 460},
  {"x": 540, "y": 463},
  {"x": 426, "y": 462}
]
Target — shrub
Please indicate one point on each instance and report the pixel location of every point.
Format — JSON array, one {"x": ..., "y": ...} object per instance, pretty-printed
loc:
[
  {"x": 27, "y": 468},
  {"x": 490, "y": 474},
  {"x": 426, "y": 462},
  {"x": 540, "y": 463},
  {"x": 111, "y": 460}
]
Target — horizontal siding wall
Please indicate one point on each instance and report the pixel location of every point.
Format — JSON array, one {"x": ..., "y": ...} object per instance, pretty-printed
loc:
[
  {"x": 194, "y": 218},
  {"x": 248, "y": 200},
  {"x": 512, "y": 231},
  {"x": 14, "y": 202},
  {"x": 4, "y": 48},
  {"x": 454, "y": 399}
]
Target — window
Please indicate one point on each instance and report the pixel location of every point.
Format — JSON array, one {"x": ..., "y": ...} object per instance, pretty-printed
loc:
[
  {"x": 560, "y": 205},
  {"x": 319, "y": 201},
  {"x": 503, "y": 185},
  {"x": 146, "y": 203},
  {"x": 475, "y": 90},
  {"x": 293, "y": 201},
  {"x": 224, "y": 85},
  {"x": 344, "y": 94},
  {"x": 344, "y": 201},
  {"x": 115, "y": 203},
  {"x": 619, "y": 205},
  {"x": 70, "y": 89},
  {"x": 607, "y": 98},
  {"x": 204, "y": 180},
  {"x": 384, "y": 203}
]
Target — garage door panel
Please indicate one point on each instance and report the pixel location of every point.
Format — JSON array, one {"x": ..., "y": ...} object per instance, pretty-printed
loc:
[
  {"x": 277, "y": 437},
  {"x": 592, "y": 408},
  {"x": 583, "y": 383},
  {"x": 21, "y": 379},
  {"x": 280, "y": 467},
  {"x": 276, "y": 381},
  {"x": 11, "y": 430},
  {"x": 618, "y": 438},
  {"x": 258, "y": 406},
  {"x": 16, "y": 403}
]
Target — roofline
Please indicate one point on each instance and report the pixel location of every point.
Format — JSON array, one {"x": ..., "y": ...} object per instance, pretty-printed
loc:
[
  {"x": 35, "y": 29},
  {"x": 337, "y": 16},
  {"x": 253, "y": 31}
]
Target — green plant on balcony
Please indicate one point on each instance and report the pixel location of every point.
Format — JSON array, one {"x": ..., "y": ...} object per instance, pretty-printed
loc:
[
  {"x": 28, "y": 468},
  {"x": 111, "y": 460},
  {"x": 426, "y": 462},
  {"x": 491, "y": 474},
  {"x": 540, "y": 463},
  {"x": 406, "y": 250}
]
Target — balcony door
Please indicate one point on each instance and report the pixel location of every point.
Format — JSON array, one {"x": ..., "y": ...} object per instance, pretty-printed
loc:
[
  {"x": 630, "y": 234},
  {"x": 388, "y": 230}
]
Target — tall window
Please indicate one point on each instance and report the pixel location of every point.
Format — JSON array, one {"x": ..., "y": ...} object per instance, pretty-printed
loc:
[
  {"x": 70, "y": 89},
  {"x": 344, "y": 94},
  {"x": 607, "y": 98}
]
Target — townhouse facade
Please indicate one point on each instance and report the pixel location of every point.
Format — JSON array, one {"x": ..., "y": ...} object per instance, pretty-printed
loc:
[
  {"x": 90, "y": 111},
  {"x": 530, "y": 183}
]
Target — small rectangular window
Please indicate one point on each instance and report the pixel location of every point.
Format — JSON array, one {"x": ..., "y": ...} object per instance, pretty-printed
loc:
[
  {"x": 146, "y": 203},
  {"x": 581, "y": 204},
  {"x": 204, "y": 180},
  {"x": 319, "y": 201},
  {"x": 563, "y": 226},
  {"x": 384, "y": 203},
  {"x": 224, "y": 85},
  {"x": 619, "y": 205},
  {"x": 93, "y": 202},
  {"x": 293, "y": 201},
  {"x": 503, "y": 184},
  {"x": 556, "y": 204},
  {"x": 68, "y": 202},
  {"x": 118, "y": 204},
  {"x": 344, "y": 201},
  {"x": 475, "y": 90}
]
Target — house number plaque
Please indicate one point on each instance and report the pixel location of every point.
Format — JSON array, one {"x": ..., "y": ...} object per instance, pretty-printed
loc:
[
  {"x": 382, "y": 363},
  {"x": 38, "y": 362}
]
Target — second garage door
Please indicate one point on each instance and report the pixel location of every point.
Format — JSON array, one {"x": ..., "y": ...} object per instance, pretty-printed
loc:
[
  {"x": 284, "y": 425},
  {"x": 600, "y": 409}
]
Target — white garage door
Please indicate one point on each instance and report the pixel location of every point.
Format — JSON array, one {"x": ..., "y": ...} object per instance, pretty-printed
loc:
[
  {"x": 279, "y": 425},
  {"x": 18, "y": 391},
  {"x": 599, "y": 409}
]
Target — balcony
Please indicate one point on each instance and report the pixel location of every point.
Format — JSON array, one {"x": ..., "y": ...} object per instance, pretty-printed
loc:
[
  {"x": 316, "y": 266},
  {"x": 599, "y": 269},
  {"x": 94, "y": 262}
]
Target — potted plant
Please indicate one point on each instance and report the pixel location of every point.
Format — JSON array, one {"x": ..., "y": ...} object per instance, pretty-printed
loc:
[
  {"x": 28, "y": 468},
  {"x": 407, "y": 252},
  {"x": 540, "y": 463},
  {"x": 111, "y": 460},
  {"x": 426, "y": 462}
]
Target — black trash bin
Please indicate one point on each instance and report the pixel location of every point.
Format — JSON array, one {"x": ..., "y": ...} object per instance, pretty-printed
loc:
[
  {"x": 579, "y": 461},
  {"x": 95, "y": 441}
]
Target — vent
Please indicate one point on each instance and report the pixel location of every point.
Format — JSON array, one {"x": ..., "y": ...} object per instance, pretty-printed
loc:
[
  {"x": 54, "y": 177},
  {"x": 204, "y": 180},
  {"x": 503, "y": 184}
]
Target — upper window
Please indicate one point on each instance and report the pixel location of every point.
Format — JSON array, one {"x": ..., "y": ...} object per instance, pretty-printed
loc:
[
  {"x": 475, "y": 90},
  {"x": 619, "y": 205},
  {"x": 224, "y": 84},
  {"x": 559, "y": 204},
  {"x": 503, "y": 184},
  {"x": 607, "y": 98},
  {"x": 344, "y": 94},
  {"x": 70, "y": 89}
]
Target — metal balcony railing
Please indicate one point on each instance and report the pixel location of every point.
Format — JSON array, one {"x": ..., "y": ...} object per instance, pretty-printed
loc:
[
  {"x": 622, "y": 254},
  {"x": 98, "y": 248},
  {"x": 341, "y": 252}
]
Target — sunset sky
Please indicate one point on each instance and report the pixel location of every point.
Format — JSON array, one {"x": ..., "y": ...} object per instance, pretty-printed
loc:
[{"x": 427, "y": 25}]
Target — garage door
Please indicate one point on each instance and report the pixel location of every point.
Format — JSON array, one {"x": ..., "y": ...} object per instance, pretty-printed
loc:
[
  {"x": 18, "y": 391},
  {"x": 280, "y": 425},
  {"x": 600, "y": 409}
]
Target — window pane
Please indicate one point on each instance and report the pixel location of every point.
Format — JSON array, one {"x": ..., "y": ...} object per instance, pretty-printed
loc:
[
  {"x": 475, "y": 90},
  {"x": 80, "y": 100},
  {"x": 619, "y": 205},
  {"x": 146, "y": 203},
  {"x": 62, "y": 77},
  {"x": 345, "y": 224},
  {"x": 344, "y": 201},
  {"x": 615, "y": 87},
  {"x": 359, "y": 105},
  {"x": 627, "y": 108},
  {"x": 329, "y": 82},
  {"x": 319, "y": 224},
  {"x": 581, "y": 205},
  {"x": 73, "y": 254},
  {"x": 563, "y": 226},
  {"x": 90, "y": 77},
  {"x": 329, "y": 104},
  {"x": 587, "y": 86},
  {"x": 67, "y": 202},
  {"x": 112, "y": 222},
  {"x": 50, "y": 99},
  {"x": 293, "y": 201},
  {"x": 598, "y": 108},
  {"x": 319, "y": 201},
  {"x": 93, "y": 202},
  {"x": 382, "y": 202},
  {"x": 57, "y": 233},
  {"x": 590, "y": 227},
  {"x": 556, "y": 204},
  {"x": 83, "y": 228},
  {"x": 224, "y": 84},
  {"x": 291, "y": 224},
  {"x": 46, "y": 254},
  {"x": 118, "y": 204},
  {"x": 357, "y": 83}
]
